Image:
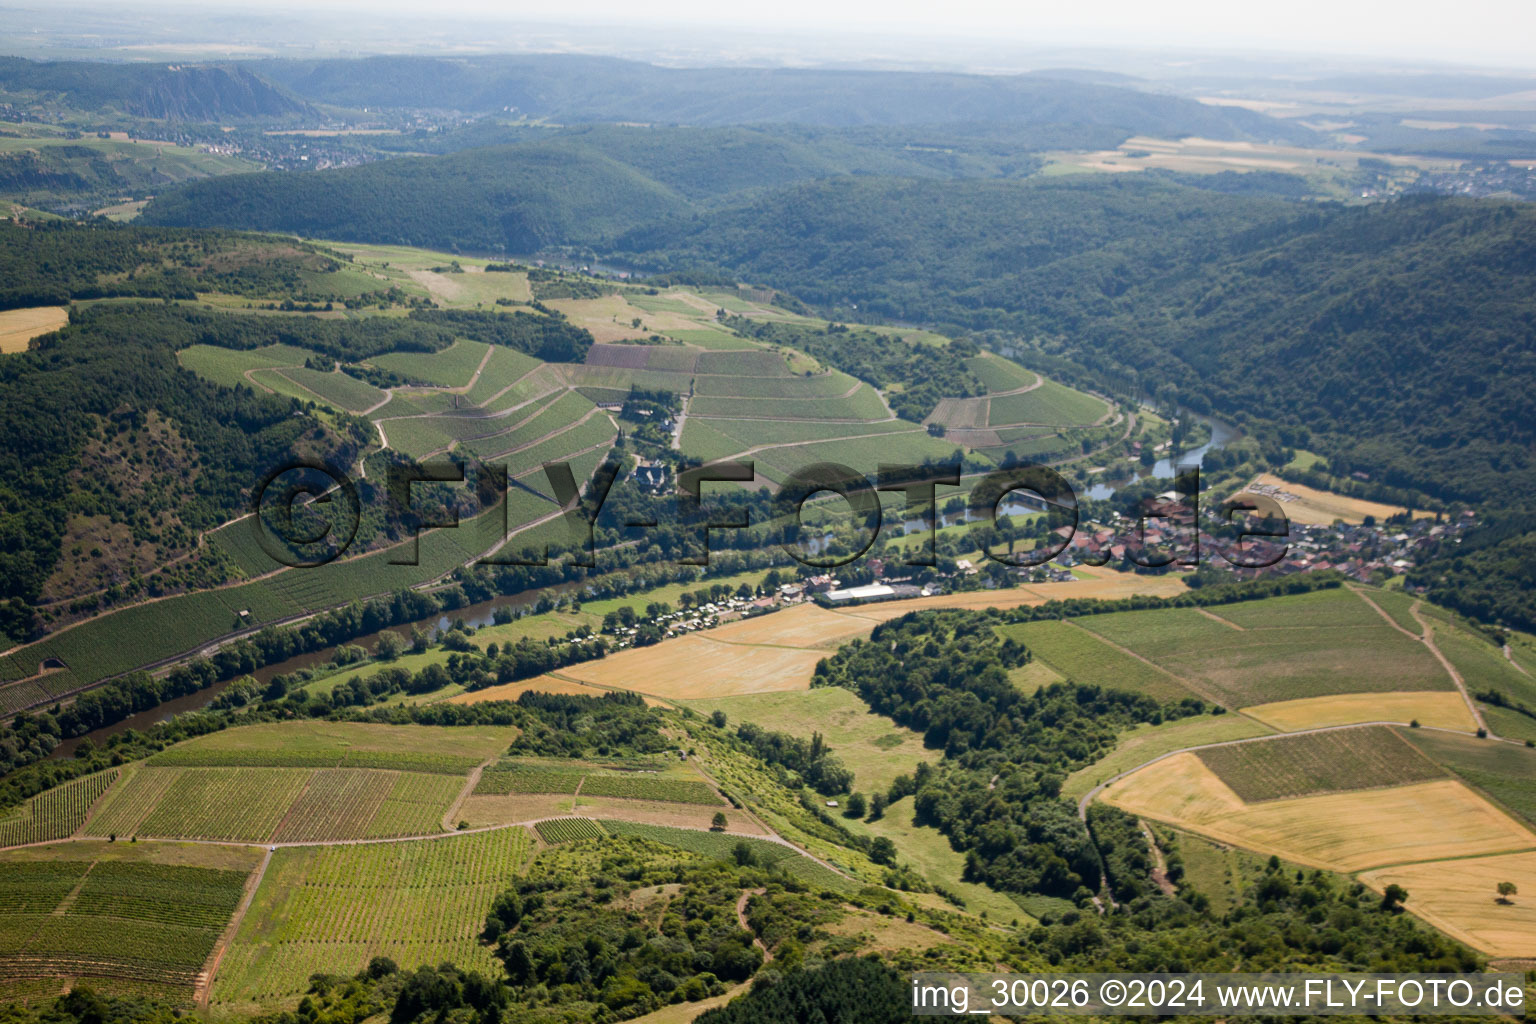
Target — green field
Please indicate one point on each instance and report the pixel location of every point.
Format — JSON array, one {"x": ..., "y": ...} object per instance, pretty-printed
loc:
[
  {"x": 1049, "y": 403},
  {"x": 1397, "y": 604},
  {"x": 499, "y": 781},
  {"x": 1313, "y": 610},
  {"x": 510, "y": 777},
  {"x": 821, "y": 385},
  {"x": 95, "y": 909},
  {"x": 1483, "y": 666},
  {"x": 999, "y": 374},
  {"x": 1084, "y": 657},
  {"x": 333, "y": 908},
  {"x": 451, "y": 367},
  {"x": 337, "y": 389},
  {"x": 56, "y": 813},
  {"x": 1502, "y": 770},
  {"x": 506, "y": 367},
  {"x": 227, "y": 366},
  {"x": 1319, "y": 762},
  {"x": 863, "y": 404},
  {"x": 635, "y": 786},
  {"x": 343, "y": 744},
  {"x": 862, "y": 454},
  {"x": 1287, "y": 654},
  {"x": 754, "y": 362}
]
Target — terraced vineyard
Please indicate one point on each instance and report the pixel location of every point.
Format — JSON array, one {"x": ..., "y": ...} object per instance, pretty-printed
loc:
[
  {"x": 643, "y": 787},
  {"x": 153, "y": 922},
  {"x": 1314, "y": 645},
  {"x": 55, "y": 814},
  {"x": 283, "y": 805},
  {"x": 333, "y": 908},
  {"x": 414, "y": 806},
  {"x": 1321, "y": 762},
  {"x": 567, "y": 830},
  {"x": 527, "y": 779},
  {"x": 506, "y": 779}
]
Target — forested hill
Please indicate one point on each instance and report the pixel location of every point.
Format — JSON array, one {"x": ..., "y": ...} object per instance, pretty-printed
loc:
[
  {"x": 506, "y": 198},
  {"x": 1397, "y": 339},
  {"x": 183, "y": 92},
  {"x": 571, "y": 89}
]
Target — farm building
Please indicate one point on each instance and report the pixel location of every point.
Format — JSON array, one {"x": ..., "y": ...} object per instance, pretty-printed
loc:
[{"x": 865, "y": 594}]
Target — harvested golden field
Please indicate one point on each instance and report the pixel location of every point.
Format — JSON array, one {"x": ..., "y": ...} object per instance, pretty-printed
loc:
[
  {"x": 1311, "y": 507},
  {"x": 1104, "y": 583},
  {"x": 512, "y": 691},
  {"x": 1445, "y": 709},
  {"x": 694, "y": 666},
  {"x": 484, "y": 809},
  {"x": 656, "y": 812},
  {"x": 1460, "y": 899},
  {"x": 1341, "y": 831},
  {"x": 804, "y": 625},
  {"x": 19, "y": 326}
]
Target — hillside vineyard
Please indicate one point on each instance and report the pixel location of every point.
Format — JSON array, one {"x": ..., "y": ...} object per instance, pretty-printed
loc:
[{"x": 559, "y": 526}]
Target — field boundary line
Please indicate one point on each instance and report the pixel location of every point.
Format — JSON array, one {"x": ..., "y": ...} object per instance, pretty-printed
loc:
[
  {"x": 70, "y": 897},
  {"x": 1147, "y": 661},
  {"x": 1225, "y": 622},
  {"x": 470, "y": 783},
  {"x": 204, "y": 985},
  {"x": 1461, "y": 684},
  {"x": 1379, "y": 610},
  {"x": 1459, "y": 857}
]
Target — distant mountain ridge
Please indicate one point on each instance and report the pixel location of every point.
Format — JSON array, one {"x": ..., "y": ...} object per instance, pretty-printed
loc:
[
  {"x": 165, "y": 92},
  {"x": 573, "y": 89}
]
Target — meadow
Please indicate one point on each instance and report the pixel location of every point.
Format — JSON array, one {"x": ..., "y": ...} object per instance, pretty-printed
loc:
[
  {"x": 332, "y": 908},
  {"x": 722, "y": 846},
  {"x": 1312, "y": 507},
  {"x": 928, "y": 852},
  {"x": 1445, "y": 709},
  {"x": 873, "y": 747}
]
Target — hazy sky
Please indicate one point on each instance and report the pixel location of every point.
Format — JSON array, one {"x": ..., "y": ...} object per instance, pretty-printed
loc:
[{"x": 1499, "y": 31}]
